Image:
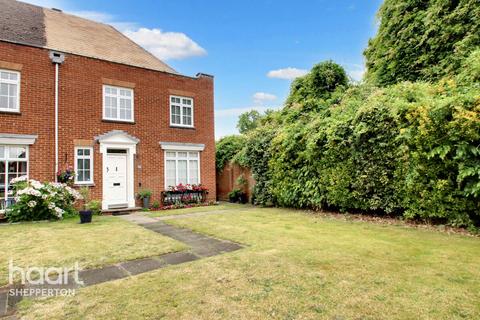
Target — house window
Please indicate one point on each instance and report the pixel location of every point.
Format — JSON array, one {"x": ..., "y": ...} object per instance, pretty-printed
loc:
[
  {"x": 181, "y": 111},
  {"x": 182, "y": 167},
  {"x": 9, "y": 91},
  {"x": 84, "y": 165},
  {"x": 13, "y": 164},
  {"x": 117, "y": 104}
]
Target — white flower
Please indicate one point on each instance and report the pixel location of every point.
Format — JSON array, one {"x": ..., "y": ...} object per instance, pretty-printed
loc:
[
  {"x": 51, "y": 206},
  {"x": 36, "y": 184},
  {"x": 32, "y": 204},
  {"x": 58, "y": 212},
  {"x": 19, "y": 179}
]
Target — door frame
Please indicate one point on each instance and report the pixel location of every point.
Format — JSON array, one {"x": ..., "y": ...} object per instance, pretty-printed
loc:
[
  {"x": 118, "y": 139},
  {"x": 124, "y": 158}
]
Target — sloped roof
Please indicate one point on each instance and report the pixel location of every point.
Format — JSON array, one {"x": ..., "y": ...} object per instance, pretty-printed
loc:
[{"x": 51, "y": 29}]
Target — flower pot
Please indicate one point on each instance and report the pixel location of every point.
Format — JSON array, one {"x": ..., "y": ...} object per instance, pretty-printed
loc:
[
  {"x": 146, "y": 202},
  {"x": 85, "y": 216}
]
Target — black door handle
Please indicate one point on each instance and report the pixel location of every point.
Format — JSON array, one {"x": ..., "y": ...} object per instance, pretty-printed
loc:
[{"x": 116, "y": 184}]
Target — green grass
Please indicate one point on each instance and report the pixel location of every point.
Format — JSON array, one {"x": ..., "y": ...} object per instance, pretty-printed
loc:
[
  {"x": 105, "y": 241},
  {"x": 222, "y": 206},
  {"x": 295, "y": 266}
]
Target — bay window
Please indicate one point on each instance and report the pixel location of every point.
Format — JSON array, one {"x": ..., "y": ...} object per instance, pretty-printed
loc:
[
  {"x": 13, "y": 164},
  {"x": 182, "y": 167}
]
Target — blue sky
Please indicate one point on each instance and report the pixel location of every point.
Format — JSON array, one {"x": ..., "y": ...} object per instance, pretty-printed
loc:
[{"x": 253, "y": 48}]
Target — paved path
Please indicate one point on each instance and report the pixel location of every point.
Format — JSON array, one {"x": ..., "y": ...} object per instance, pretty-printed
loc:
[
  {"x": 201, "y": 245},
  {"x": 197, "y": 214}
]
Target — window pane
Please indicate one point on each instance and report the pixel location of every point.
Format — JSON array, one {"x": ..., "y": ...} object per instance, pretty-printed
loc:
[
  {"x": 4, "y": 75},
  {"x": 182, "y": 154},
  {"x": 193, "y": 154},
  {"x": 2, "y": 167},
  {"x": 80, "y": 152},
  {"x": 80, "y": 176},
  {"x": 86, "y": 175},
  {"x": 193, "y": 172},
  {"x": 17, "y": 153},
  {"x": 86, "y": 152},
  {"x": 182, "y": 171},
  {"x": 2, "y": 152},
  {"x": 4, "y": 89},
  {"x": 171, "y": 154},
  {"x": 79, "y": 164},
  {"x": 12, "y": 90},
  {"x": 170, "y": 173},
  {"x": 12, "y": 167},
  {"x": 22, "y": 167},
  {"x": 3, "y": 102},
  {"x": 13, "y": 76}
]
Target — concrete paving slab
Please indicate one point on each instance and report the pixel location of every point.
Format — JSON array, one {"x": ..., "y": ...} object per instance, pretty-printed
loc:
[
  {"x": 179, "y": 257},
  {"x": 135, "y": 267},
  {"x": 95, "y": 276}
]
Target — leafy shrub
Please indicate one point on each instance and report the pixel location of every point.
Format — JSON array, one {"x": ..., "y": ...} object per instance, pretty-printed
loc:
[
  {"x": 95, "y": 206},
  {"x": 411, "y": 149},
  {"x": 144, "y": 193},
  {"x": 41, "y": 201},
  {"x": 227, "y": 148}
]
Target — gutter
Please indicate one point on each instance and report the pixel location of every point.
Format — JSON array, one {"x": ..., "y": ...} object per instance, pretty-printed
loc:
[{"x": 57, "y": 59}]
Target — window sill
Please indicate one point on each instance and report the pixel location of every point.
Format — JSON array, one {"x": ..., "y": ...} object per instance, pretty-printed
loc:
[
  {"x": 10, "y": 112},
  {"x": 182, "y": 127},
  {"x": 91, "y": 184},
  {"x": 118, "y": 121}
]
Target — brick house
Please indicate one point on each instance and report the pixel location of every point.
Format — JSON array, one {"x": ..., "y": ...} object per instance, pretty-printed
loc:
[{"x": 78, "y": 93}]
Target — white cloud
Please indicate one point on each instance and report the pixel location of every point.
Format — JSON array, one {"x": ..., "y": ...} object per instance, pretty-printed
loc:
[
  {"x": 262, "y": 97},
  {"x": 166, "y": 45},
  {"x": 355, "y": 71},
  {"x": 287, "y": 73}
]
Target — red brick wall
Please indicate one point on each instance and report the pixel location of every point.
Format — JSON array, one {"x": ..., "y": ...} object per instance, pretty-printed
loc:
[{"x": 80, "y": 113}]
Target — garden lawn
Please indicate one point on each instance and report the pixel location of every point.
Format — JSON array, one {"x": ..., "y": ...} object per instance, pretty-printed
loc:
[
  {"x": 295, "y": 266},
  {"x": 105, "y": 241},
  {"x": 222, "y": 206}
]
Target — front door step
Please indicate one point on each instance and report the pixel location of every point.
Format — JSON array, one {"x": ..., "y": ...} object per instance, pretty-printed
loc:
[{"x": 122, "y": 211}]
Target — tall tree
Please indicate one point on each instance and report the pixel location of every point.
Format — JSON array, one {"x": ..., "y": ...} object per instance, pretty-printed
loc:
[{"x": 422, "y": 39}]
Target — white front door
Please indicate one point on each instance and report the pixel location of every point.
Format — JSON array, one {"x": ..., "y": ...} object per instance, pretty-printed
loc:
[{"x": 116, "y": 180}]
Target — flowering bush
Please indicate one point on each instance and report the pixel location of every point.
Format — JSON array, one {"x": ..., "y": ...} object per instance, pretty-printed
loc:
[
  {"x": 187, "y": 187},
  {"x": 67, "y": 176},
  {"x": 41, "y": 201}
]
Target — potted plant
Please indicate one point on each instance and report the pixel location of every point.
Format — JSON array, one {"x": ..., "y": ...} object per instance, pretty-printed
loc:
[
  {"x": 145, "y": 196},
  {"x": 86, "y": 213}
]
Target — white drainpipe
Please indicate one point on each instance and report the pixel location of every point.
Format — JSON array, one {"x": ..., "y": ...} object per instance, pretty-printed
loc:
[{"x": 57, "y": 58}]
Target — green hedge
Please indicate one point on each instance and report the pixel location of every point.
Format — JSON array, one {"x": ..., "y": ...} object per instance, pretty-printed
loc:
[{"x": 412, "y": 149}]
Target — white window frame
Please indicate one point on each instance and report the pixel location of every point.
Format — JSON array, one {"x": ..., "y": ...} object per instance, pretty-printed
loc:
[
  {"x": 191, "y": 106},
  {"x": 176, "y": 158},
  {"x": 117, "y": 119},
  {"x": 77, "y": 157},
  {"x": 17, "y": 82},
  {"x": 7, "y": 159}
]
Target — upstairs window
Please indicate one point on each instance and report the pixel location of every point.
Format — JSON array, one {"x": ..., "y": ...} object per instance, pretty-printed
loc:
[
  {"x": 84, "y": 165},
  {"x": 117, "y": 104},
  {"x": 9, "y": 91},
  {"x": 181, "y": 111}
]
